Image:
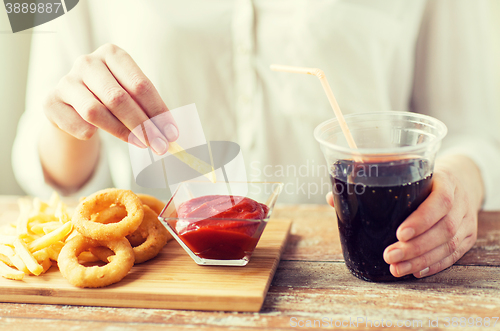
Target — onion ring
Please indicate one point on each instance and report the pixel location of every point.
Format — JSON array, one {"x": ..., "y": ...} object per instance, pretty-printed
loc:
[
  {"x": 112, "y": 214},
  {"x": 156, "y": 237},
  {"x": 115, "y": 214},
  {"x": 82, "y": 218},
  {"x": 152, "y": 202},
  {"x": 81, "y": 276}
]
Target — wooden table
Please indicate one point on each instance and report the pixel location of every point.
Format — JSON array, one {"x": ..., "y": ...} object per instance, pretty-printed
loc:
[{"x": 312, "y": 287}]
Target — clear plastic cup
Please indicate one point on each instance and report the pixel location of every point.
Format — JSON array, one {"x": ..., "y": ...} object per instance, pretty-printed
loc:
[{"x": 379, "y": 184}]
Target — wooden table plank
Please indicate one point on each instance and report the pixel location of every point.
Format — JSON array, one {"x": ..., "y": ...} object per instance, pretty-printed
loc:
[
  {"x": 309, "y": 291},
  {"x": 486, "y": 251},
  {"x": 18, "y": 324},
  {"x": 314, "y": 235}
]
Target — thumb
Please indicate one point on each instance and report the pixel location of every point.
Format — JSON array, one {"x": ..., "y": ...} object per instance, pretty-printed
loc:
[{"x": 329, "y": 198}]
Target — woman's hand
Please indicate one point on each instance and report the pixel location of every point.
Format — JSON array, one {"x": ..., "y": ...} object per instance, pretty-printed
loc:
[
  {"x": 444, "y": 226},
  {"x": 107, "y": 90}
]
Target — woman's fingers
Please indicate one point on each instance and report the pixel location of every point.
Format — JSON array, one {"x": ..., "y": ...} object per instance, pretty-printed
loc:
[
  {"x": 435, "y": 207},
  {"x": 119, "y": 102},
  {"x": 448, "y": 230},
  {"x": 432, "y": 232},
  {"x": 166, "y": 123},
  {"x": 449, "y": 260},
  {"x": 414, "y": 263},
  {"x": 141, "y": 89},
  {"x": 108, "y": 90},
  {"x": 90, "y": 109},
  {"x": 67, "y": 119}
]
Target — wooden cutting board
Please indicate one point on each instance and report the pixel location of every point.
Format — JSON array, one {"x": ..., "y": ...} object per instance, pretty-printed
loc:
[{"x": 171, "y": 280}]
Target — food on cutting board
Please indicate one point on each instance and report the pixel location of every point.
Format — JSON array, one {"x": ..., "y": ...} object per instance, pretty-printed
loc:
[
  {"x": 120, "y": 227},
  {"x": 33, "y": 242}
]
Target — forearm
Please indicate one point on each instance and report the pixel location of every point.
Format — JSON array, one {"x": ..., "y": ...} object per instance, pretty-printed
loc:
[
  {"x": 467, "y": 172},
  {"x": 68, "y": 163}
]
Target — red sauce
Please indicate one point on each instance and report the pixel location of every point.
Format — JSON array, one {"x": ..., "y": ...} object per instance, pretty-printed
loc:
[{"x": 224, "y": 231}]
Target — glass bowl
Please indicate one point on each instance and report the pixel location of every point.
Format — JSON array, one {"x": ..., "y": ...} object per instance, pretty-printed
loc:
[{"x": 215, "y": 233}]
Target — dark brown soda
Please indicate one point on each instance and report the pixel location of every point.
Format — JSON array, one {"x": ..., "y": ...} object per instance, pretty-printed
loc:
[{"x": 371, "y": 201}]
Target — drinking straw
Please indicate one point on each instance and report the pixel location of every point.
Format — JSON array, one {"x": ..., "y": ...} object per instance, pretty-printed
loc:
[{"x": 333, "y": 102}]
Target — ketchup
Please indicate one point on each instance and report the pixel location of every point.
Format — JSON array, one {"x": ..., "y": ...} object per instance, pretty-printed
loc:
[{"x": 226, "y": 229}]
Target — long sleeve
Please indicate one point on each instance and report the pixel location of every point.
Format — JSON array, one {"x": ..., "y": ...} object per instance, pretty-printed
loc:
[
  {"x": 455, "y": 83},
  {"x": 55, "y": 46}
]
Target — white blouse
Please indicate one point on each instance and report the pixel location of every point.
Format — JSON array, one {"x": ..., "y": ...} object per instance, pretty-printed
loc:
[{"x": 426, "y": 56}]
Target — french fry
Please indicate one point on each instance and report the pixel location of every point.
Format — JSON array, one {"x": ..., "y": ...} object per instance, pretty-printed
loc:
[
  {"x": 41, "y": 218},
  {"x": 34, "y": 240},
  {"x": 87, "y": 257},
  {"x": 50, "y": 227},
  {"x": 38, "y": 206},
  {"x": 50, "y": 238},
  {"x": 41, "y": 255},
  {"x": 7, "y": 239},
  {"x": 37, "y": 229},
  {"x": 43, "y": 258},
  {"x": 8, "y": 229},
  {"x": 27, "y": 238},
  {"x": 54, "y": 200},
  {"x": 9, "y": 272},
  {"x": 46, "y": 264},
  {"x": 22, "y": 250},
  {"x": 61, "y": 213},
  {"x": 19, "y": 263},
  {"x": 71, "y": 236},
  {"x": 15, "y": 260},
  {"x": 24, "y": 214},
  {"x": 202, "y": 167},
  {"x": 7, "y": 250},
  {"x": 6, "y": 260},
  {"x": 43, "y": 228},
  {"x": 54, "y": 250}
]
